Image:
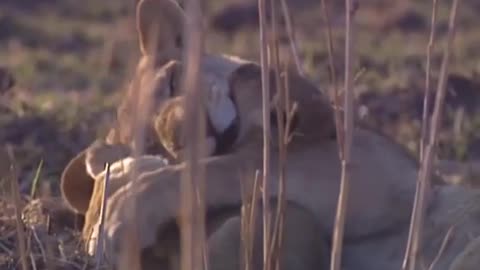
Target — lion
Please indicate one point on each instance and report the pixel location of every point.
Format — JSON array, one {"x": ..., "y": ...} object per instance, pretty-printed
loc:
[
  {"x": 313, "y": 163},
  {"x": 381, "y": 198},
  {"x": 309, "y": 252},
  {"x": 313, "y": 169},
  {"x": 448, "y": 208},
  {"x": 454, "y": 208},
  {"x": 451, "y": 207}
]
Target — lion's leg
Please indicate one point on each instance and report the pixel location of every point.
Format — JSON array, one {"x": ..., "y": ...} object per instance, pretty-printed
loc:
[{"x": 303, "y": 247}]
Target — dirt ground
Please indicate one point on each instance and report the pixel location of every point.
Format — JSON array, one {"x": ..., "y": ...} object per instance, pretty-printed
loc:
[{"x": 69, "y": 61}]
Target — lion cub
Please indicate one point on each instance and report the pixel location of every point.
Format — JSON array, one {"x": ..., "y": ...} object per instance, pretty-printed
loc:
[
  {"x": 158, "y": 74},
  {"x": 307, "y": 251}
]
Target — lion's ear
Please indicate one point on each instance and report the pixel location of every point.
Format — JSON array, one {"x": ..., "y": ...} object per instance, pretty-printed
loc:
[
  {"x": 160, "y": 27},
  {"x": 76, "y": 185},
  {"x": 99, "y": 153}
]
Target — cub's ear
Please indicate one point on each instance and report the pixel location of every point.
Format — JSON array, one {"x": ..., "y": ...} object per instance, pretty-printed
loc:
[
  {"x": 76, "y": 185},
  {"x": 160, "y": 27},
  {"x": 100, "y": 153}
]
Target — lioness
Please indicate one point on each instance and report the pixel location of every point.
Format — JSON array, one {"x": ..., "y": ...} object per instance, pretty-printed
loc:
[
  {"x": 454, "y": 208},
  {"x": 313, "y": 167},
  {"x": 380, "y": 198}
]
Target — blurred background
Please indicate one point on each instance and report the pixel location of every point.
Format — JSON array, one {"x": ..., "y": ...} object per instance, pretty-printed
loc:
[{"x": 71, "y": 61}]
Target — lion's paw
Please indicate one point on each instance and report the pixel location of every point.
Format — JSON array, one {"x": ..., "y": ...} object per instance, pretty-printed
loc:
[{"x": 134, "y": 213}]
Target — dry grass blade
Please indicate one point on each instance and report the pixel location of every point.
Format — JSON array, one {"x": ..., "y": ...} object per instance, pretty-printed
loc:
[
  {"x": 426, "y": 165},
  {"x": 291, "y": 37},
  {"x": 129, "y": 257},
  {"x": 248, "y": 214},
  {"x": 329, "y": 39},
  {"x": 348, "y": 131},
  {"x": 284, "y": 139},
  {"x": 18, "y": 212},
  {"x": 442, "y": 247},
  {"x": 193, "y": 182},
  {"x": 265, "y": 64},
  {"x": 36, "y": 179},
  {"x": 101, "y": 234},
  {"x": 280, "y": 106},
  {"x": 40, "y": 245},
  {"x": 142, "y": 107},
  {"x": 333, "y": 77},
  {"x": 45, "y": 192},
  {"x": 426, "y": 99},
  {"x": 140, "y": 98},
  {"x": 425, "y": 119}
]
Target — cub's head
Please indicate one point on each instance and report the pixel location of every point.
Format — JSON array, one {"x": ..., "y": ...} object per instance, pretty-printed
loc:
[{"x": 221, "y": 120}]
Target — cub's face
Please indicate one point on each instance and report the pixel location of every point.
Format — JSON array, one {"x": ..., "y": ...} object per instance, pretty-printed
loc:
[
  {"x": 229, "y": 114},
  {"x": 221, "y": 125}
]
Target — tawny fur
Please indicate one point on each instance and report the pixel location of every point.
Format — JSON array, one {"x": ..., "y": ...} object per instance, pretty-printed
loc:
[
  {"x": 305, "y": 251},
  {"x": 454, "y": 219},
  {"x": 121, "y": 170},
  {"x": 313, "y": 173},
  {"x": 379, "y": 226},
  {"x": 315, "y": 125},
  {"x": 382, "y": 189}
]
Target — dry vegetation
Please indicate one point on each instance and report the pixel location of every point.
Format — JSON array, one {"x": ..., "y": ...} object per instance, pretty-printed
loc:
[{"x": 71, "y": 60}]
